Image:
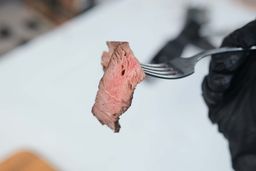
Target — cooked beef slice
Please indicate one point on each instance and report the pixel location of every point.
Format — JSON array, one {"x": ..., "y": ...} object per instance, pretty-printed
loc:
[{"x": 122, "y": 73}]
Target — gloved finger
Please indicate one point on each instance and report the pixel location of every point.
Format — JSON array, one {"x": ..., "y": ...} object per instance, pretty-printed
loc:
[
  {"x": 210, "y": 96},
  {"x": 226, "y": 63},
  {"x": 218, "y": 82},
  {"x": 222, "y": 69},
  {"x": 244, "y": 37},
  {"x": 214, "y": 87}
]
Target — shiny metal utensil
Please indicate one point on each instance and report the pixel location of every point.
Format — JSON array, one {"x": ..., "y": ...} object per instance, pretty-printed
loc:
[{"x": 182, "y": 67}]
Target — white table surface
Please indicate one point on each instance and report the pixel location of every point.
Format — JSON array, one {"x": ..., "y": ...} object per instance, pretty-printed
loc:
[{"x": 48, "y": 87}]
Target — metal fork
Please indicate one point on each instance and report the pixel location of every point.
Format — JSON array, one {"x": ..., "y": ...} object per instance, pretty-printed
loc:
[{"x": 182, "y": 67}]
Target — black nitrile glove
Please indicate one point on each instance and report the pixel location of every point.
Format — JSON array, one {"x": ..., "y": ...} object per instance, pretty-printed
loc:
[{"x": 229, "y": 91}]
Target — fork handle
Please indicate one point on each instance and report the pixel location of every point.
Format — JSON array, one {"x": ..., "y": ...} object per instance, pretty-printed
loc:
[{"x": 211, "y": 52}]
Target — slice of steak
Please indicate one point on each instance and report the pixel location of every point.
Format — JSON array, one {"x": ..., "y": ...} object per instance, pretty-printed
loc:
[{"x": 122, "y": 72}]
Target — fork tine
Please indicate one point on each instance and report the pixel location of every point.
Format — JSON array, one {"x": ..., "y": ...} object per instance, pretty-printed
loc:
[
  {"x": 162, "y": 71},
  {"x": 153, "y": 65},
  {"x": 164, "y": 68}
]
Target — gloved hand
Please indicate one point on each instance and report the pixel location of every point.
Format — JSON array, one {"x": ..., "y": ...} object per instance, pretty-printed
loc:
[{"x": 229, "y": 91}]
